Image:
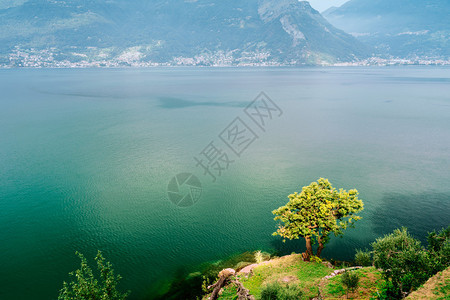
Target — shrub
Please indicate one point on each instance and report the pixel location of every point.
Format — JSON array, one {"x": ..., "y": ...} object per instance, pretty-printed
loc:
[
  {"x": 206, "y": 282},
  {"x": 437, "y": 240},
  {"x": 385, "y": 292},
  {"x": 291, "y": 292},
  {"x": 350, "y": 280},
  {"x": 276, "y": 291},
  {"x": 363, "y": 258},
  {"x": 404, "y": 262},
  {"x": 315, "y": 259},
  {"x": 86, "y": 286},
  {"x": 261, "y": 256},
  {"x": 439, "y": 250},
  {"x": 270, "y": 291}
]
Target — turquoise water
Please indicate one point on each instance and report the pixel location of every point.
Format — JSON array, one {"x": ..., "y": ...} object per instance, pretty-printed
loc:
[{"x": 86, "y": 157}]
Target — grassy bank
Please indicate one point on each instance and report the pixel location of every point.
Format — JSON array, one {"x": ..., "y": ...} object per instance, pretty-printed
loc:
[
  {"x": 307, "y": 277},
  {"x": 287, "y": 270},
  {"x": 436, "y": 288},
  {"x": 370, "y": 283}
]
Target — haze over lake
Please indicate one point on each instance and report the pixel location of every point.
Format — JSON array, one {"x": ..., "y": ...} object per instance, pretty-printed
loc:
[{"x": 86, "y": 157}]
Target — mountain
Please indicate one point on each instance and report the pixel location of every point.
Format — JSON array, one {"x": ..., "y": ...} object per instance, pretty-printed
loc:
[
  {"x": 192, "y": 32},
  {"x": 401, "y": 28}
]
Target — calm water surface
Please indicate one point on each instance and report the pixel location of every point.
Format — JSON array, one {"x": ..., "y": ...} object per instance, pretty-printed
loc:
[{"x": 86, "y": 157}]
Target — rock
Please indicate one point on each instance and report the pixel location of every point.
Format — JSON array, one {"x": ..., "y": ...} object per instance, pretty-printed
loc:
[
  {"x": 248, "y": 269},
  {"x": 227, "y": 272},
  {"x": 242, "y": 265}
]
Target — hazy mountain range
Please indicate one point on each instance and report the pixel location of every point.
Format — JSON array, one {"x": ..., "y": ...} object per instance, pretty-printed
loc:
[
  {"x": 206, "y": 32},
  {"x": 401, "y": 28},
  {"x": 200, "y": 32}
]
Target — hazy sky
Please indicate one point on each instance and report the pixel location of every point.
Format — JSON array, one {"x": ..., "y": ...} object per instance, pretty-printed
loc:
[{"x": 321, "y": 5}]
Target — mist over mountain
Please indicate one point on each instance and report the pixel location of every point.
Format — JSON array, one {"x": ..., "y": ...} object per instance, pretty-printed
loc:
[
  {"x": 191, "y": 32},
  {"x": 401, "y": 28}
]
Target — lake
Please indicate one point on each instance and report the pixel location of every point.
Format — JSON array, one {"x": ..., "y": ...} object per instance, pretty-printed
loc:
[{"x": 87, "y": 157}]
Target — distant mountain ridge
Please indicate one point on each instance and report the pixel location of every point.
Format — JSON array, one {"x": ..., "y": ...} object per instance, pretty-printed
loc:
[
  {"x": 402, "y": 28},
  {"x": 177, "y": 32}
]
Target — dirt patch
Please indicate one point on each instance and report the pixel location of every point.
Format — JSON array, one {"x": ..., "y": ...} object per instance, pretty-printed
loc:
[
  {"x": 276, "y": 262},
  {"x": 288, "y": 279}
]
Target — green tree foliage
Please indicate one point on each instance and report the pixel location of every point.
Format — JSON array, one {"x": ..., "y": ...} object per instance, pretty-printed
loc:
[
  {"x": 86, "y": 287},
  {"x": 316, "y": 212},
  {"x": 405, "y": 263},
  {"x": 363, "y": 258},
  {"x": 350, "y": 280},
  {"x": 439, "y": 250}
]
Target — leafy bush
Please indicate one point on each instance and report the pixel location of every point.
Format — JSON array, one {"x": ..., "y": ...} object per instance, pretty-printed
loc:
[
  {"x": 404, "y": 262},
  {"x": 439, "y": 250},
  {"x": 206, "y": 282},
  {"x": 363, "y": 258},
  {"x": 350, "y": 280},
  {"x": 86, "y": 287},
  {"x": 436, "y": 241},
  {"x": 385, "y": 292},
  {"x": 276, "y": 291},
  {"x": 291, "y": 292},
  {"x": 315, "y": 259},
  {"x": 270, "y": 291}
]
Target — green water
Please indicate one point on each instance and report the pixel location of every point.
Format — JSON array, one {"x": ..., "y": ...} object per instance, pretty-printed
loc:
[{"x": 86, "y": 157}]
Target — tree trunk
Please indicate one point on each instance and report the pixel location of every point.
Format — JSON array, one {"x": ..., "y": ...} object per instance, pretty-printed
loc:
[
  {"x": 242, "y": 292},
  {"x": 320, "y": 248},
  {"x": 218, "y": 285},
  {"x": 309, "y": 250},
  {"x": 223, "y": 276}
]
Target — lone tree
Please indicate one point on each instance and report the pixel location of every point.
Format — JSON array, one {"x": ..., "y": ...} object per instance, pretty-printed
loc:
[{"x": 316, "y": 212}]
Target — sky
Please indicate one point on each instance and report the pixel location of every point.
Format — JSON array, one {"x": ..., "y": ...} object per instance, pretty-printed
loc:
[{"x": 322, "y": 5}]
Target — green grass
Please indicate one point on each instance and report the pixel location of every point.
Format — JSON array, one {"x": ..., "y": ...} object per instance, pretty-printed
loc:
[
  {"x": 336, "y": 289},
  {"x": 370, "y": 281},
  {"x": 436, "y": 288},
  {"x": 443, "y": 290},
  {"x": 229, "y": 293},
  {"x": 306, "y": 275}
]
